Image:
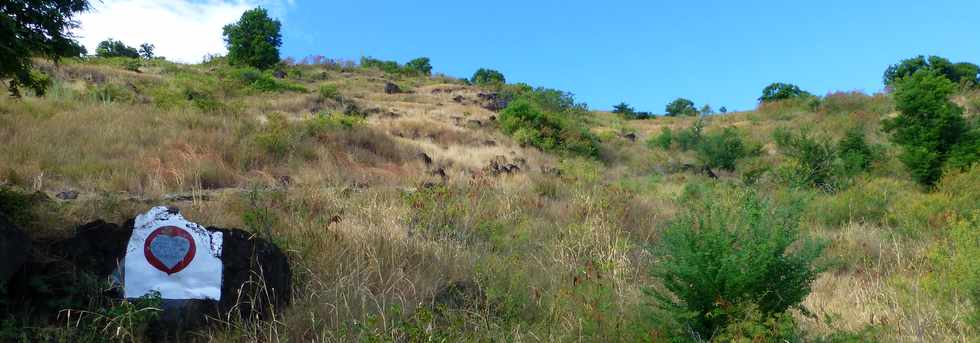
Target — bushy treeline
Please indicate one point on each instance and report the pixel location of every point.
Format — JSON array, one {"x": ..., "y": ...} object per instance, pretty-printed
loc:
[{"x": 419, "y": 66}]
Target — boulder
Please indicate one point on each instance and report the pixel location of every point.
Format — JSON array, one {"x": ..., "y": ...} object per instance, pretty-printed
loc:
[
  {"x": 67, "y": 195},
  {"x": 391, "y": 88}
]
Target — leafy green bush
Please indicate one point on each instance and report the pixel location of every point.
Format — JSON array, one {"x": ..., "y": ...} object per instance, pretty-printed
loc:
[
  {"x": 781, "y": 91},
  {"x": 664, "y": 140},
  {"x": 854, "y": 151},
  {"x": 812, "y": 160},
  {"x": 529, "y": 124},
  {"x": 681, "y": 107},
  {"x": 254, "y": 40},
  {"x": 485, "y": 76},
  {"x": 721, "y": 149},
  {"x": 264, "y": 81},
  {"x": 929, "y": 126},
  {"x": 329, "y": 92},
  {"x": 689, "y": 138},
  {"x": 714, "y": 257}
]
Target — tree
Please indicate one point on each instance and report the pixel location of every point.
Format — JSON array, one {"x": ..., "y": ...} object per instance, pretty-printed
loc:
[
  {"x": 30, "y": 28},
  {"x": 723, "y": 110},
  {"x": 706, "y": 109},
  {"x": 955, "y": 72},
  {"x": 625, "y": 110},
  {"x": 929, "y": 125},
  {"x": 113, "y": 48},
  {"x": 146, "y": 50},
  {"x": 781, "y": 91},
  {"x": 420, "y": 66},
  {"x": 488, "y": 76},
  {"x": 254, "y": 40},
  {"x": 681, "y": 107}
]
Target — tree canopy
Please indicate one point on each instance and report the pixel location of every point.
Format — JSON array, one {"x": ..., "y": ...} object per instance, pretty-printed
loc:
[
  {"x": 254, "y": 40},
  {"x": 31, "y": 28},
  {"x": 681, "y": 107},
  {"x": 781, "y": 91},
  {"x": 955, "y": 72},
  {"x": 113, "y": 48},
  {"x": 485, "y": 76}
]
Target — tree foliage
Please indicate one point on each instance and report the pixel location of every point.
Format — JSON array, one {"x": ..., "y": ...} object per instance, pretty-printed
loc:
[
  {"x": 930, "y": 128},
  {"x": 625, "y": 110},
  {"x": 30, "y": 28},
  {"x": 114, "y": 48},
  {"x": 781, "y": 91},
  {"x": 146, "y": 50},
  {"x": 485, "y": 76},
  {"x": 420, "y": 66},
  {"x": 955, "y": 72},
  {"x": 254, "y": 40},
  {"x": 681, "y": 107}
]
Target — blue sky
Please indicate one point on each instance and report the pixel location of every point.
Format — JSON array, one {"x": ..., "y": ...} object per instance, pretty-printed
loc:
[{"x": 643, "y": 52}]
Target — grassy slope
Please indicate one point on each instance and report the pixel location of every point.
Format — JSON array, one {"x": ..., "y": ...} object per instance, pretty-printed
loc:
[{"x": 559, "y": 258}]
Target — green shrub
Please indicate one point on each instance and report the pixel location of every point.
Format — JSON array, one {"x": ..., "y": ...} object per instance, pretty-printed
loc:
[
  {"x": 664, "y": 140},
  {"x": 929, "y": 125},
  {"x": 264, "y": 81},
  {"x": 854, "y": 151},
  {"x": 812, "y": 161},
  {"x": 689, "y": 138},
  {"x": 681, "y": 107},
  {"x": 782, "y": 91},
  {"x": 721, "y": 149},
  {"x": 715, "y": 257},
  {"x": 329, "y": 92},
  {"x": 528, "y": 124}
]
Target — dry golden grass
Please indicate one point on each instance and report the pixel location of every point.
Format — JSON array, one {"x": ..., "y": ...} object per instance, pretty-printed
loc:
[{"x": 559, "y": 257}]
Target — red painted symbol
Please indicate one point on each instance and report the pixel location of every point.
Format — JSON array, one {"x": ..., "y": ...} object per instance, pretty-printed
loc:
[{"x": 169, "y": 249}]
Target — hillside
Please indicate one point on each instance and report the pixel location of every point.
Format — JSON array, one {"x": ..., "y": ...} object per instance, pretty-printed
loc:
[{"x": 412, "y": 215}]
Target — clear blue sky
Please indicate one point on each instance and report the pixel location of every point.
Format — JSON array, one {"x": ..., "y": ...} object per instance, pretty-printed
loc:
[{"x": 645, "y": 52}]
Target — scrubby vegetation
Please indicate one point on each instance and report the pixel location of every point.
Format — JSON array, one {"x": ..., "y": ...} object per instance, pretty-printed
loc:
[{"x": 506, "y": 212}]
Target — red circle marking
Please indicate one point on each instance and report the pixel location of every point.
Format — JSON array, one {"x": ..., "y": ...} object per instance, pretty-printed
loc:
[{"x": 171, "y": 231}]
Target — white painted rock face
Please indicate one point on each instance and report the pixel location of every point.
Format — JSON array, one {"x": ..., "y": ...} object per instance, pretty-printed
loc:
[{"x": 168, "y": 254}]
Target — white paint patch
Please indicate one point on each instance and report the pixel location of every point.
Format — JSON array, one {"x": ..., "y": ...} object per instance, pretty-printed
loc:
[{"x": 173, "y": 256}]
